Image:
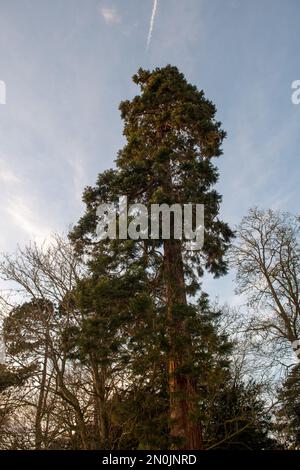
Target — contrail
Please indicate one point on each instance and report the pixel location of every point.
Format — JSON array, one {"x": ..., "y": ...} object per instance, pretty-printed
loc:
[{"x": 152, "y": 23}]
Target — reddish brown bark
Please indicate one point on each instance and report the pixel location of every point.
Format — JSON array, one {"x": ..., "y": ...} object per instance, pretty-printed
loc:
[{"x": 182, "y": 388}]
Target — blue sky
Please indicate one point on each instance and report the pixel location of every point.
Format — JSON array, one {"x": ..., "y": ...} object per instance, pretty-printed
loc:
[{"x": 67, "y": 64}]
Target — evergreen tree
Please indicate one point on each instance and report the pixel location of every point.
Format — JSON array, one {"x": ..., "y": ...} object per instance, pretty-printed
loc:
[
  {"x": 172, "y": 136},
  {"x": 239, "y": 420},
  {"x": 109, "y": 302}
]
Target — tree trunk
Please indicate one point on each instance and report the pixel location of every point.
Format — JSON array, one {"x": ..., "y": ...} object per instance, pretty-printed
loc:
[
  {"x": 41, "y": 404},
  {"x": 72, "y": 400},
  {"x": 185, "y": 430},
  {"x": 100, "y": 408},
  {"x": 182, "y": 387}
]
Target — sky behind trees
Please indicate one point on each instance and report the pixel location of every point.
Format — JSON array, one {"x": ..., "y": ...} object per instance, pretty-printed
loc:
[{"x": 68, "y": 64}]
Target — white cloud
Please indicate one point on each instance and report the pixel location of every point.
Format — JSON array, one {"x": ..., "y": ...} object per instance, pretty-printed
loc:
[{"x": 110, "y": 15}]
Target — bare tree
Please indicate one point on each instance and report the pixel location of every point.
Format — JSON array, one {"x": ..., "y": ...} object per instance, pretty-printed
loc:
[
  {"x": 35, "y": 319},
  {"x": 267, "y": 258}
]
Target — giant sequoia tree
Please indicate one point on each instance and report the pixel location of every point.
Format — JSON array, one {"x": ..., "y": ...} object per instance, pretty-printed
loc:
[{"x": 172, "y": 135}]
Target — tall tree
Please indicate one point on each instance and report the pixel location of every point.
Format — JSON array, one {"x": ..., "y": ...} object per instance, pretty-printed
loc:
[
  {"x": 267, "y": 258},
  {"x": 172, "y": 135}
]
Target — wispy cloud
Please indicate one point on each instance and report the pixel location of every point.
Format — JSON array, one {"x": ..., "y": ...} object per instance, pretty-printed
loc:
[
  {"x": 7, "y": 176},
  {"x": 26, "y": 219},
  {"x": 154, "y": 9},
  {"x": 110, "y": 15},
  {"x": 20, "y": 207},
  {"x": 79, "y": 176}
]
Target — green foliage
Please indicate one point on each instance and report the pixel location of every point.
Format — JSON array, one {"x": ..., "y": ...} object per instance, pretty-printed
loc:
[
  {"x": 23, "y": 324},
  {"x": 171, "y": 136},
  {"x": 170, "y": 127}
]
